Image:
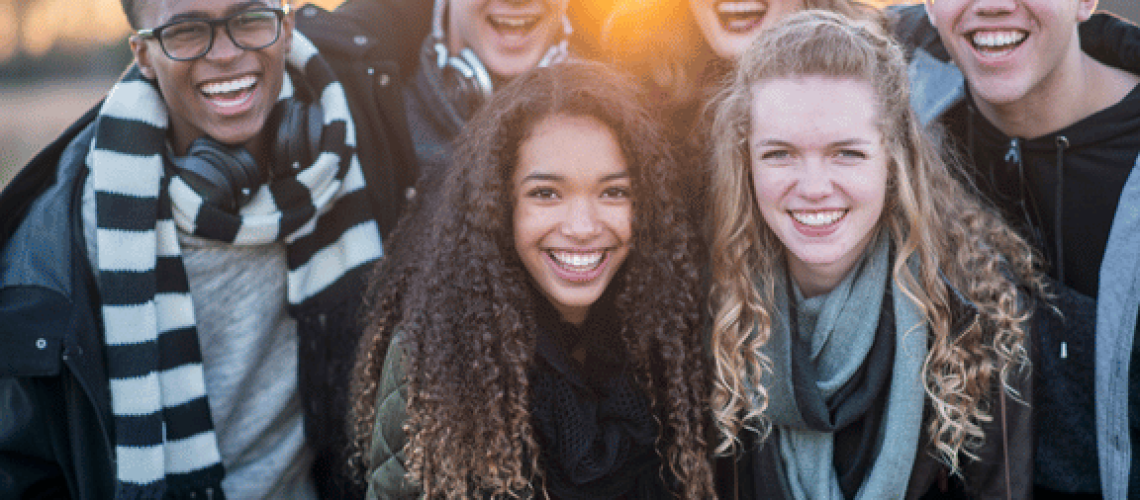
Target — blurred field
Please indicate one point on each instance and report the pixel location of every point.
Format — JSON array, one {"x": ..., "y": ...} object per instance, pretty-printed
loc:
[{"x": 35, "y": 113}]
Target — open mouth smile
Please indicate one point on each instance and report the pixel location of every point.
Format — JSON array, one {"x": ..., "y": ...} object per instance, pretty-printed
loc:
[
  {"x": 818, "y": 219},
  {"x": 229, "y": 93},
  {"x": 516, "y": 25},
  {"x": 740, "y": 16},
  {"x": 577, "y": 265},
  {"x": 996, "y": 43}
]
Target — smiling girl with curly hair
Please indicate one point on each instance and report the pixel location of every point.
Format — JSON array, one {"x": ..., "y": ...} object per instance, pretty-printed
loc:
[
  {"x": 535, "y": 333},
  {"x": 869, "y": 313}
]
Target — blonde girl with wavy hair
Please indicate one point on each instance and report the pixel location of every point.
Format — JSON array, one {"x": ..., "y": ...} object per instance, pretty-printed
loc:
[{"x": 869, "y": 326}]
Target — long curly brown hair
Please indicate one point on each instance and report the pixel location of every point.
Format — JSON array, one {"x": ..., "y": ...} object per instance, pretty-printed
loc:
[
  {"x": 931, "y": 218},
  {"x": 455, "y": 289}
]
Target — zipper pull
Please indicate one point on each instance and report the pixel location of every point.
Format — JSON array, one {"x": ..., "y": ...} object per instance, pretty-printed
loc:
[
  {"x": 1013, "y": 156},
  {"x": 1064, "y": 350}
]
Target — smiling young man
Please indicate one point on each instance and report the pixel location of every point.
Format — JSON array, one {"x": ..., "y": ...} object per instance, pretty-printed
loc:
[
  {"x": 1042, "y": 97},
  {"x": 181, "y": 270},
  {"x": 475, "y": 46}
]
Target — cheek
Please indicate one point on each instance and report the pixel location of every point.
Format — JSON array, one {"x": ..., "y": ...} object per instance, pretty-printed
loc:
[
  {"x": 521, "y": 230},
  {"x": 620, "y": 219},
  {"x": 766, "y": 189}
]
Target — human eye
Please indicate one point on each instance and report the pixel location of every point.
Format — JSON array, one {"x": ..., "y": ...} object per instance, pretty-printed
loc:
[
  {"x": 254, "y": 19},
  {"x": 621, "y": 192},
  {"x": 542, "y": 193},
  {"x": 186, "y": 31},
  {"x": 850, "y": 156},
  {"x": 773, "y": 156}
]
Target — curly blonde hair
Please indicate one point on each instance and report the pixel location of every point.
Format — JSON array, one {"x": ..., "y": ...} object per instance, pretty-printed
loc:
[{"x": 930, "y": 217}]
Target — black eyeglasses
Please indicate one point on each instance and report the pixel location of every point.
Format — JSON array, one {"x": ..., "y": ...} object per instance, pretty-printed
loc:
[{"x": 190, "y": 39}]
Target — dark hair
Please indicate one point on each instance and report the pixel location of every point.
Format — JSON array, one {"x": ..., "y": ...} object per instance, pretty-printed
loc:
[
  {"x": 132, "y": 15},
  {"x": 454, "y": 288},
  {"x": 130, "y": 8}
]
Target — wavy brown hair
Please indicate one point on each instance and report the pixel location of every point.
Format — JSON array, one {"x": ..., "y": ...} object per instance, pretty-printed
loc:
[
  {"x": 455, "y": 289},
  {"x": 938, "y": 228}
]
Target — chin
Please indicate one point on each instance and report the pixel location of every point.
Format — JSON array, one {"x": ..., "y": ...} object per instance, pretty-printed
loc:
[{"x": 510, "y": 67}]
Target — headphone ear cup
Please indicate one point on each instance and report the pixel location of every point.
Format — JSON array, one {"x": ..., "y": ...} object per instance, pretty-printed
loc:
[
  {"x": 223, "y": 176},
  {"x": 298, "y": 139},
  {"x": 468, "y": 82}
]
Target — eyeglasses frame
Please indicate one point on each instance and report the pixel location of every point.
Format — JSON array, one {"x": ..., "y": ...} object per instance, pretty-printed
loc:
[{"x": 156, "y": 33}]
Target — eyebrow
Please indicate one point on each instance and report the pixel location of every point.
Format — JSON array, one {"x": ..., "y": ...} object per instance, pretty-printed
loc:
[
  {"x": 197, "y": 15},
  {"x": 842, "y": 143},
  {"x": 541, "y": 176}
]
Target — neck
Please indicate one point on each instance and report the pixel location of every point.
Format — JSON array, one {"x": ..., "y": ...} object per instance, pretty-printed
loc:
[
  {"x": 816, "y": 283},
  {"x": 256, "y": 145},
  {"x": 1074, "y": 91}
]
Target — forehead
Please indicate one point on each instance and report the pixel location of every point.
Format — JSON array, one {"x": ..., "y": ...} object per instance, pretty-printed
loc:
[
  {"x": 813, "y": 104},
  {"x": 572, "y": 146},
  {"x": 152, "y": 13}
]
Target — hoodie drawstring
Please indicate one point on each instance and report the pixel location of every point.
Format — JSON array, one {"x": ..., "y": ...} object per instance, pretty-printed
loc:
[
  {"x": 1058, "y": 210},
  {"x": 1058, "y": 205}
]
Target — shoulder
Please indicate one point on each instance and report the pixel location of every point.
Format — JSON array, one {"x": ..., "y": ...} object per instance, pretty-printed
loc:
[
  {"x": 1112, "y": 41},
  {"x": 40, "y": 174},
  {"x": 387, "y": 474},
  {"x": 389, "y": 30},
  {"x": 913, "y": 30}
]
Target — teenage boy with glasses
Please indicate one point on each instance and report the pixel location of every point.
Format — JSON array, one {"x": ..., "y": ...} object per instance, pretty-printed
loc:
[
  {"x": 1042, "y": 97},
  {"x": 180, "y": 272}
]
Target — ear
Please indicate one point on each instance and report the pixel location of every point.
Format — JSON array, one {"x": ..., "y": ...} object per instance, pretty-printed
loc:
[
  {"x": 287, "y": 24},
  {"x": 1085, "y": 9},
  {"x": 929, "y": 14},
  {"x": 141, "y": 50}
]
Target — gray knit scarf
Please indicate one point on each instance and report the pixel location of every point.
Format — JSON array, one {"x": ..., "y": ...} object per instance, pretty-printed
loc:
[
  {"x": 165, "y": 443},
  {"x": 840, "y": 341}
]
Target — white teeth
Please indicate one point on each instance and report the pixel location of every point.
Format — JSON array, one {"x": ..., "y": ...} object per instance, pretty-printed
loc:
[
  {"x": 514, "y": 22},
  {"x": 578, "y": 259},
  {"x": 818, "y": 218},
  {"x": 235, "y": 85},
  {"x": 740, "y": 8},
  {"x": 991, "y": 39}
]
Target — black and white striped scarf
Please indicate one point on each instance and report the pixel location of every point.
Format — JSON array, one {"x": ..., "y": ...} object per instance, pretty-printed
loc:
[{"x": 164, "y": 435}]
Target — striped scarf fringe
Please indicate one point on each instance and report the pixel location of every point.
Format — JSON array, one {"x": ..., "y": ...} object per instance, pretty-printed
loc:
[{"x": 165, "y": 443}]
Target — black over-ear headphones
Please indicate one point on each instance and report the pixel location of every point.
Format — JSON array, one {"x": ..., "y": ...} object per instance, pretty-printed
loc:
[
  {"x": 468, "y": 82},
  {"x": 228, "y": 176}
]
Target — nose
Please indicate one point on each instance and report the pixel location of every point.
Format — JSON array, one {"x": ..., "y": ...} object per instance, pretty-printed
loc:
[
  {"x": 223, "y": 48},
  {"x": 814, "y": 180},
  {"x": 581, "y": 221},
  {"x": 994, "y": 7}
]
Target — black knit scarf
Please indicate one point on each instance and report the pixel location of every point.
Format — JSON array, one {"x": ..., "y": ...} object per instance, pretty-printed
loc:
[{"x": 595, "y": 426}]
